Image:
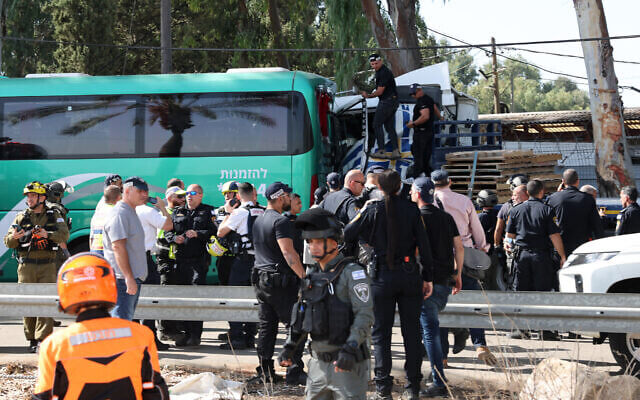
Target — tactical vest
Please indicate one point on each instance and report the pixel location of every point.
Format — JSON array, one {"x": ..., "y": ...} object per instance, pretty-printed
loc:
[
  {"x": 64, "y": 211},
  {"x": 29, "y": 239},
  {"x": 319, "y": 312},
  {"x": 164, "y": 249},
  {"x": 242, "y": 244},
  {"x": 334, "y": 202}
]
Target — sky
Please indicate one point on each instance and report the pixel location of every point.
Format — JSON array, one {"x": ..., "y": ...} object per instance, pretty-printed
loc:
[{"x": 476, "y": 21}]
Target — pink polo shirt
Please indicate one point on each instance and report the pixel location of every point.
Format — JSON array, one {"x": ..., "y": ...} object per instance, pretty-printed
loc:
[{"x": 464, "y": 213}]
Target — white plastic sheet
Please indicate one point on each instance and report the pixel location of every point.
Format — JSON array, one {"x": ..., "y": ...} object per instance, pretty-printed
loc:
[{"x": 207, "y": 386}]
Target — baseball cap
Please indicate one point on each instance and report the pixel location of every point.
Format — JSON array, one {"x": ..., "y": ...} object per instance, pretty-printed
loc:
[
  {"x": 414, "y": 88},
  {"x": 374, "y": 57},
  {"x": 111, "y": 178},
  {"x": 439, "y": 175},
  {"x": 174, "y": 190},
  {"x": 333, "y": 180},
  {"x": 137, "y": 182},
  {"x": 425, "y": 187},
  {"x": 277, "y": 189},
  {"x": 375, "y": 169}
]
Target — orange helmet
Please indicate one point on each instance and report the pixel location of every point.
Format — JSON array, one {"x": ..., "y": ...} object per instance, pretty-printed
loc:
[{"x": 86, "y": 279}]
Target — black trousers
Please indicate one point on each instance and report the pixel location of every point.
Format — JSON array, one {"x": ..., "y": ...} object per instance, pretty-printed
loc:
[
  {"x": 192, "y": 271},
  {"x": 535, "y": 271},
  {"x": 168, "y": 276},
  {"x": 404, "y": 288},
  {"x": 153, "y": 278},
  {"x": 276, "y": 294},
  {"x": 224, "y": 265},
  {"x": 421, "y": 149},
  {"x": 241, "y": 276},
  {"x": 386, "y": 116}
]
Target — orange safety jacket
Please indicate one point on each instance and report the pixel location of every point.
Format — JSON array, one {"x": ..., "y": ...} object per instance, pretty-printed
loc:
[{"x": 100, "y": 357}]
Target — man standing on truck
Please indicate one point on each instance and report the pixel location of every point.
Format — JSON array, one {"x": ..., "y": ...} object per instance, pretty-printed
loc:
[
  {"x": 424, "y": 113},
  {"x": 387, "y": 106}
]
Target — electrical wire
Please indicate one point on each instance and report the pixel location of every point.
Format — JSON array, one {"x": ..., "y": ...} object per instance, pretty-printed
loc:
[{"x": 564, "y": 55}]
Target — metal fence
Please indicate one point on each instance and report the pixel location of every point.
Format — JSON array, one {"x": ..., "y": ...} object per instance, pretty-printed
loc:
[{"x": 472, "y": 309}]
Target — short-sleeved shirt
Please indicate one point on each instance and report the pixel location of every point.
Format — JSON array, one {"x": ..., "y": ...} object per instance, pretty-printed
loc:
[
  {"x": 124, "y": 223},
  {"x": 424, "y": 102},
  {"x": 441, "y": 230},
  {"x": 384, "y": 78},
  {"x": 503, "y": 214},
  {"x": 152, "y": 221},
  {"x": 267, "y": 229},
  {"x": 533, "y": 222}
]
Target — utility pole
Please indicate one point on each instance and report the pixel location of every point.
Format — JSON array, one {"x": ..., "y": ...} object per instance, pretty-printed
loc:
[
  {"x": 613, "y": 164},
  {"x": 165, "y": 36},
  {"x": 496, "y": 91}
]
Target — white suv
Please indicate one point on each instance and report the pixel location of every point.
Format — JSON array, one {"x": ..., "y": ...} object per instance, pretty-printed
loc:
[{"x": 609, "y": 265}]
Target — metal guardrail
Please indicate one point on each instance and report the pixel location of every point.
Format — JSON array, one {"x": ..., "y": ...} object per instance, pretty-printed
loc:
[{"x": 472, "y": 309}]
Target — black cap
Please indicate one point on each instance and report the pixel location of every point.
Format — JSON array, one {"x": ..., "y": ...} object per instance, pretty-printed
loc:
[
  {"x": 374, "y": 57},
  {"x": 333, "y": 180},
  {"x": 439, "y": 176},
  {"x": 425, "y": 187},
  {"x": 137, "y": 182},
  {"x": 111, "y": 178},
  {"x": 414, "y": 88},
  {"x": 318, "y": 223},
  {"x": 277, "y": 189},
  {"x": 319, "y": 194}
]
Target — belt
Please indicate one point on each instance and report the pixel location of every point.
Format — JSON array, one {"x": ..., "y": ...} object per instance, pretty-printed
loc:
[
  {"x": 35, "y": 260},
  {"x": 326, "y": 357},
  {"x": 532, "y": 250}
]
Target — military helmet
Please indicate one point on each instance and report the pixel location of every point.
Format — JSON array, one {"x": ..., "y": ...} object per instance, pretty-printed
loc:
[
  {"x": 487, "y": 198},
  {"x": 517, "y": 180},
  {"x": 86, "y": 279},
  {"x": 231, "y": 186},
  {"x": 56, "y": 189},
  {"x": 35, "y": 187},
  {"x": 318, "y": 223}
]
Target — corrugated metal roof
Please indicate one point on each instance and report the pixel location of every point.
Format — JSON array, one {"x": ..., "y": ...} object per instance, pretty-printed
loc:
[{"x": 545, "y": 117}]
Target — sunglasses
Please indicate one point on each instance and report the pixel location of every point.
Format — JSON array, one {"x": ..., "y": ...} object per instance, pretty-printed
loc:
[{"x": 192, "y": 193}]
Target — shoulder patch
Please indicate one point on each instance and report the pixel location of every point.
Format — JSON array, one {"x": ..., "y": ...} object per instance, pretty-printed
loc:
[
  {"x": 362, "y": 291},
  {"x": 359, "y": 274}
]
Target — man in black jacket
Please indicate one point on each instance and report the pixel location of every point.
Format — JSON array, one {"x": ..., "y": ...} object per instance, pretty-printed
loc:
[
  {"x": 629, "y": 217},
  {"x": 193, "y": 225}
]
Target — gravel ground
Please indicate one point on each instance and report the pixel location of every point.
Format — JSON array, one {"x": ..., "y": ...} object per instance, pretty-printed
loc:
[{"x": 17, "y": 382}]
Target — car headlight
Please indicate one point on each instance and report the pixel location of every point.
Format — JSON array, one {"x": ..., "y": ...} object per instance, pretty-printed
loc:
[{"x": 588, "y": 258}]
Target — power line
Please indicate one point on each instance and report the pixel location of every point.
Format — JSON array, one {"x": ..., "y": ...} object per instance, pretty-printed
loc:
[
  {"x": 564, "y": 55},
  {"x": 309, "y": 50}
]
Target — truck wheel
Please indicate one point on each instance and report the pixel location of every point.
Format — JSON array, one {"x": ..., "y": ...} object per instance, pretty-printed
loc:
[{"x": 625, "y": 348}]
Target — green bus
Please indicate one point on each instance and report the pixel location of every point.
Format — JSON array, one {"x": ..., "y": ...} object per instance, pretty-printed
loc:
[{"x": 254, "y": 126}]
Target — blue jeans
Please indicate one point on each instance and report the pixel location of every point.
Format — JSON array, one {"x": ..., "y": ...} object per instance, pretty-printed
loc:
[
  {"x": 126, "y": 303},
  {"x": 431, "y": 330},
  {"x": 477, "y": 334}
]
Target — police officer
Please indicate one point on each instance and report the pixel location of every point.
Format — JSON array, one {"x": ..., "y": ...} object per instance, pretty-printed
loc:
[
  {"x": 343, "y": 203},
  {"x": 225, "y": 262},
  {"x": 193, "y": 224},
  {"x": 97, "y": 356},
  {"x": 165, "y": 253},
  {"x": 629, "y": 217},
  {"x": 533, "y": 232},
  {"x": 576, "y": 212},
  {"x": 237, "y": 226},
  {"x": 36, "y": 234},
  {"x": 487, "y": 200},
  {"x": 425, "y": 112},
  {"x": 275, "y": 276},
  {"x": 517, "y": 184},
  {"x": 387, "y": 105},
  {"x": 336, "y": 297},
  {"x": 394, "y": 229}
]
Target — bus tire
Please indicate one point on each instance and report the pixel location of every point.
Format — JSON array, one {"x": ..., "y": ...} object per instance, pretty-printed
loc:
[
  {"x": 79, "y": 245},
  {"x": 626, "y": 350}
]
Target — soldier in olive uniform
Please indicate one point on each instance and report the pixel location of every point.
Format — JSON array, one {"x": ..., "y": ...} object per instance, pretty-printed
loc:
[
  {"x": 336, "y": 309},
  {"x": 55, "y": 193},
  {"x": 36, "y": 234}
]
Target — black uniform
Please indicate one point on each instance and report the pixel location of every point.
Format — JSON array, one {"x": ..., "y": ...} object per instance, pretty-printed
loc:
[
  {"x": 488, "y": 219},
  {"x": 443, "y": 230},
  {"x": 533, "y": 222},
  {"x": 577, "y": 217},
  {"x": 629, "y": 220},
  {"x": 343, "y": 204},
  {"x": 387, "y": 106},
  {"x": 400, "y": 282},
  {"x": 276, "y": 288},
  {"x": 298, "y": 243},
  {"x": 422, "y": 146},
  {"x": 192, "y": 259}
]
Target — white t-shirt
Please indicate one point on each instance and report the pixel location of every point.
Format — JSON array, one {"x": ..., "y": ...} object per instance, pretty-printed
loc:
[
  {"x": 152, "y": 221},
  {"x": 237, "y": 221}
]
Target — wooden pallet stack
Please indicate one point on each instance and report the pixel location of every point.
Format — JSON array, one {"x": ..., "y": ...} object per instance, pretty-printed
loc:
[{"x": 495, "y": 167}]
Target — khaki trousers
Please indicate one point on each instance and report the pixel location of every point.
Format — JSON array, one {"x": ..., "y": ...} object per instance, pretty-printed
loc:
[{"x": 37, "y": 328}]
